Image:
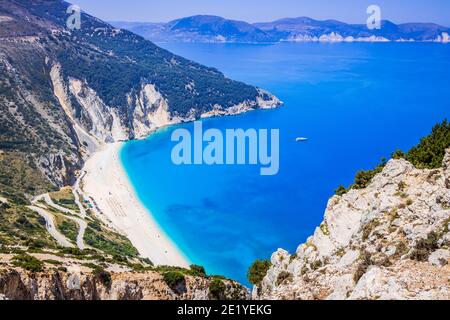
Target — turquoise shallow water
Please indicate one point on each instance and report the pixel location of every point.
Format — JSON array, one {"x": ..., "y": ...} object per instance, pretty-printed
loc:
[{"x": 355, "y": 102}]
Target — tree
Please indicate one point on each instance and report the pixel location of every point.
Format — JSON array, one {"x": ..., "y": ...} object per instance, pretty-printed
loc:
[
  {"x": 217, "y": 289},
  {"x": 174, "y": 279},
  {"x": 198, "y": 270},
  {"x": 258, "y": 271}
]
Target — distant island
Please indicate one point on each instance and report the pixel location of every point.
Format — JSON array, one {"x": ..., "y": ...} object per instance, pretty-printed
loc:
[{"x": 214, "y": 29}]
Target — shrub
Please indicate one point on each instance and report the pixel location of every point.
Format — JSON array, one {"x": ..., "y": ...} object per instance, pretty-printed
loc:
[
  {"x": 425, "y": 247},
  {"x": 398, "y": 154},
  {"x": 362, "y": 179},
  {"x": 365, "y": 263},
  {"x": 341, "y": 190},
  {"x": 401, "y": 249},
  {"x": 430, "y": 152},
  {"x": 147, "y": 261},
  {"x": 72, "y": 251},
  {"x": 293, "y": 257},
  {"x": 369, "y": 228},
  {"x": 174, "y": 279},
  {"x": 28, "y": 262},
  {"x": 258, "y": 271},
  {"x": 53, "y": 262},
  {"x": 401, "y": 186},
  {"x": 217, "y": 289},
  {"x": 197, "y": 270},
  {"x": 283, "y": 277},
  {"x": 102, "y": 275}
]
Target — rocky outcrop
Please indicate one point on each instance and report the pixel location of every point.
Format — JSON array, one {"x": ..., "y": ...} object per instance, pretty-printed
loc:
[
  {"x": 334, "y": 37},
  {"x": 17, "y": 284},
  {"x": 443, "y": 38},
  {"x": 96, "y": 123},
  {"x": 388, "y": 241}
]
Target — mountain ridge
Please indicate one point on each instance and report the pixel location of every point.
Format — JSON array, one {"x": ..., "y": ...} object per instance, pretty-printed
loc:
[{"x": 205, "y": 28}]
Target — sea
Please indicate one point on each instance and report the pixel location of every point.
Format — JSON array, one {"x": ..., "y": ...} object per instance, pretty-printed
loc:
[{"x": 355, "y": 103}]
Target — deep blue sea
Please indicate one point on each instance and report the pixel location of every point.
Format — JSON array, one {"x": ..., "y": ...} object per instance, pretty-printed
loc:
[{"x": 356, "y": 102}]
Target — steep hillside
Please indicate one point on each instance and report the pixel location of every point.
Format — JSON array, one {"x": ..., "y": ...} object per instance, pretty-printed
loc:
[
  {"x": 388, "y": 239},
  {"x": 64, "y": 92}
]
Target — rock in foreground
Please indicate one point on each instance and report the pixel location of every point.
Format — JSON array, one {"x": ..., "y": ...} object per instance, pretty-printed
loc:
[{"x": 388, "y": 241}]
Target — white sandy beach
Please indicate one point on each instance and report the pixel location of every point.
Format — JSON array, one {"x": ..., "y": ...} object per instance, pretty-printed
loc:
[{"x": 108, "y": 184}]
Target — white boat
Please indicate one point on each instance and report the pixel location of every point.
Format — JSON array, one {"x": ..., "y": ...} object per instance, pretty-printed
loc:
[{"x": 301, "y": 139}]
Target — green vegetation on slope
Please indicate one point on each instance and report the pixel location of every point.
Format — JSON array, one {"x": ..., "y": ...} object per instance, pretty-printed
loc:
[
  {"x": 174, "y": 279},
  {"x": 65, "y": 198},
  {"x": 28, "y": 262},
  {"x": 430, "y": 152},
  {"x": 217, "y": 289},
  {"x": 362, "y": 179},
  {"x": 19, "y": 177},
  {"x": 108, "y": 241},
  {"x": 21, "y": 226},
  {"x": 67, "y": 227},
  {"x": 258, "y": 271}
]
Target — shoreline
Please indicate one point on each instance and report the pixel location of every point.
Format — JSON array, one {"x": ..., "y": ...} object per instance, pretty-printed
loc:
[
  {"x": 106, "y": 181},
  {"x": 103, "y": 178}
]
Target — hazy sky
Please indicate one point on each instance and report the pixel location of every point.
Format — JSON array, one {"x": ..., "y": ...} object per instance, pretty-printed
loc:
[{"x": 353, "y": 11}]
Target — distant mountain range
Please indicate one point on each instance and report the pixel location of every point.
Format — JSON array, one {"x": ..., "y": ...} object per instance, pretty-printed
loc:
[{"x": 217, "y": 29}]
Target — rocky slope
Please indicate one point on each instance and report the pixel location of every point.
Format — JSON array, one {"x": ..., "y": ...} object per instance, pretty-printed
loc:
[
  {"x": 390, "y": 240},
  {"x": 53, "y": 284}
]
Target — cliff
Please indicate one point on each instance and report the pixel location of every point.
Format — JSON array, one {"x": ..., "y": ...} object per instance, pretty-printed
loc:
[
  {"x": 390, "y": 240},
  {"x": 19, "y": 284},
  {"x": 66, "y": 92}
]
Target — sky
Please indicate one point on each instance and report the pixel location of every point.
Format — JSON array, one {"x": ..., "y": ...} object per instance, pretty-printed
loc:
[{"x": 351, "y": 11}]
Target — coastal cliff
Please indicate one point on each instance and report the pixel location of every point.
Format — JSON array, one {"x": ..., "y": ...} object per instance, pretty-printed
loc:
[
  {"x": 65, "y": 93},
  {"x": 390, "y": 240},
  {"x": 19, "y": 284}
]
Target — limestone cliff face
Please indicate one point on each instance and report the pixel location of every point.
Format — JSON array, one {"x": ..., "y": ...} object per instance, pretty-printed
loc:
[
  {"x": 388, "y": 241},
  {"x": 17, "y": 284},
  {"x": 96, "y": 123}
]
